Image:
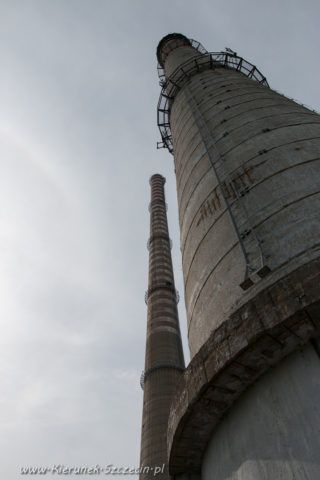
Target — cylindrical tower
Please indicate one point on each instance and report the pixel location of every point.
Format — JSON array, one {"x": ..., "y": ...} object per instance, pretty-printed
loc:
[
  {"x": 164, "y": 361},
  {"x": 247, "y": 170},
  {"x": 247, "y": 162}
]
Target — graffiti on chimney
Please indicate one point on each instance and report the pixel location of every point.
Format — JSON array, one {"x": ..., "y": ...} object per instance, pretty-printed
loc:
[{"x": 241, "y": 182}]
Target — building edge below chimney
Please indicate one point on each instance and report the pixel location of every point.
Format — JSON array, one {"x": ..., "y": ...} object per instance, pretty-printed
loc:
[{"x": 273, "y": 324}]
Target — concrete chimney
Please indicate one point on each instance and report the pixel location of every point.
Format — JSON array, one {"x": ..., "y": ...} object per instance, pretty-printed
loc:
[{"x": 247, "y": 169}]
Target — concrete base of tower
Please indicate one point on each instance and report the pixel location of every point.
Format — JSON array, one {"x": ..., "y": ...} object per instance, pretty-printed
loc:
[
  {"x": 251, "y": 386},
  {"x": 273, "y": 430}
]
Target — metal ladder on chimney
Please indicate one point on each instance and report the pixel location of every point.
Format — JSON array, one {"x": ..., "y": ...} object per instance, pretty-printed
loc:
[{"x": 249, "y": 242}]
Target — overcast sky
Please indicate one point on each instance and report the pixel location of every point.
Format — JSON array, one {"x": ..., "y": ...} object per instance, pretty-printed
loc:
[{"x": 78, "y": 133}]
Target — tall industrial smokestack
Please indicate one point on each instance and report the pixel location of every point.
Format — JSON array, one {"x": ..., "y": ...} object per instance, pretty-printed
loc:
[
  {"x": 164, "y": 356},
  {"x": 247, "y": 169}
]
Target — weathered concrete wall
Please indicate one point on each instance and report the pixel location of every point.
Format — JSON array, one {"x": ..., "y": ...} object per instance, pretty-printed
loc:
[
  {"x": 272, "y": 432},
  {"x": 178, "y": 57},
  {"x": 268, "y": 146},
  {"x": 278, "y": 321}
]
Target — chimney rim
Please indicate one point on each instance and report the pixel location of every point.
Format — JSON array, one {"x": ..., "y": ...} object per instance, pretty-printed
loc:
[
  {"x": 165, "y": 39},
  {"x": 156, "y": 176}
]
